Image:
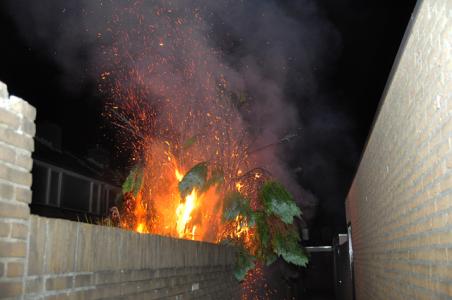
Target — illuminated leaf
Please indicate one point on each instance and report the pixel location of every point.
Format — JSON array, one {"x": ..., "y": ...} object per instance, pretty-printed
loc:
[
  {"x": 263, "y": 230},
  {"x": 133, "y": 182},
  {"x": 287, "y": 246},
  {"x": 243, "y": 264},
  {"x": 234, "y": 205},
  {"x": 195, "y": 178},
  {"x": 277, "y": 200}
]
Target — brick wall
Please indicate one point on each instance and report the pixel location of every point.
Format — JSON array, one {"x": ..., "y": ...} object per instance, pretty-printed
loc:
[
  {"x": 16, "y": 144},
  {"x": 43, "y": 258},
  {"x": 70, "y": 260},
  {"x": 400, "y": 202}
]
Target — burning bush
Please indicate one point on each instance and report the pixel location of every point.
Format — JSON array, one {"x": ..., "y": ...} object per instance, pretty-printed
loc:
[
  {"x": 201, "y": 205},
  {"x": 182, "y": 112}
]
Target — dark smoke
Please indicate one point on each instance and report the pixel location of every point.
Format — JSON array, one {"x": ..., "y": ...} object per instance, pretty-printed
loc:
[{"x": 279, "y": 52}]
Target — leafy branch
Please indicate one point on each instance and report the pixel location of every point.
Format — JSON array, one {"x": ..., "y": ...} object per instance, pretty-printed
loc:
[{"x": 275, "y": 234}]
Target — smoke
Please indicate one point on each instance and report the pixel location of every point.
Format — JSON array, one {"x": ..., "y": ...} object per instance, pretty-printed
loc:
[{"x": 271, "y": 56}]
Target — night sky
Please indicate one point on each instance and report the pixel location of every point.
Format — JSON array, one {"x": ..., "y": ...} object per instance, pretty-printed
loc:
[{"x": 336, "y": 118}]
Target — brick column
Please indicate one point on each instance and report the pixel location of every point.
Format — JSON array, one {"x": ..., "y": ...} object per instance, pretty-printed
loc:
[{"x": 17, "y": 130}]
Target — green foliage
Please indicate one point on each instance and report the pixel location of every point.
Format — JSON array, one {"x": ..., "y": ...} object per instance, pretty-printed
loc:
[
  {"x": 277, "y": 200},
  {"x": 244, "y": 262},
  {"x": 195, "y": 178},
  {"x": 133, "y": 182},
  {"x": 287, "y": 245},
  {"x": 234, "y": 205},
  {"x": 275, "y": 232},
  {"x": 262, "y": 230}
]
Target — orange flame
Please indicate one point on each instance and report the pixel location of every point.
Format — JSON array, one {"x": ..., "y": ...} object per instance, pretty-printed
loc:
[
  {"x": 179, "y": 176},
  {"x": 193, "y": 232},
  {"x": 140, "y": 228},
  {"x": 239, "y": 186},
  {"x": 183, "y": 213},
  {"x": 158, "y": 207}
]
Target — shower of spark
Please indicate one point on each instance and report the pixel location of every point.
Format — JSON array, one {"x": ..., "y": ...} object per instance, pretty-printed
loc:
[
  {"x": 171, "y": 98},
  {"x": 175, "y": 107}
]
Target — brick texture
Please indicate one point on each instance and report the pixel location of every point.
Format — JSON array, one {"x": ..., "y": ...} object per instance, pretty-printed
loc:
[
  {"x": 400, "y": 202},
  {"x": 17, "y": 129},
  {"x": 69, "y": 260}
]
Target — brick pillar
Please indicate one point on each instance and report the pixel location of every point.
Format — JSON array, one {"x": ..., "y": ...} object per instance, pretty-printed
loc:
[{"x": 17, "y": 130}]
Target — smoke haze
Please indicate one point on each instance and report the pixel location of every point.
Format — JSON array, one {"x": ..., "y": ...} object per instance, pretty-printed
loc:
[{"x": 275, "y": 53}]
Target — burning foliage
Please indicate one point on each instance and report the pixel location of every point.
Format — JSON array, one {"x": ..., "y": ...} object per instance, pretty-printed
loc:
[
  {"x": 253, "y": 212},
  {"x": 181, "y": 119}
]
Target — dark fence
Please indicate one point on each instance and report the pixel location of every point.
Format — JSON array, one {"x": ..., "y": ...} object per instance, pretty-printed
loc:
[
  {"x": 60, "y": 191},
  {"x": 343, "y": 267}
]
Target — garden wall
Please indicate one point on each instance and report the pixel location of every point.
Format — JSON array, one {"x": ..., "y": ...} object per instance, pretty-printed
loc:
[
  {"x": 400, "y": 202},
  {"x": 94, "y": 262},
  {"x": 42, "y": 258}
]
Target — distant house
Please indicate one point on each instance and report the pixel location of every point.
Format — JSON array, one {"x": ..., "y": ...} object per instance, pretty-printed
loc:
[{"x": 68, "y": 186}]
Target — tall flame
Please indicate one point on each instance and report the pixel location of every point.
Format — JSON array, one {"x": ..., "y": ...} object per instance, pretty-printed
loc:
[
  {"x": 183, "y": 212},
  {"x": 158, "y": 208}
]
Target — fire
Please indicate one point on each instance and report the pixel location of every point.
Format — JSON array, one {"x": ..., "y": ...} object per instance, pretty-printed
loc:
[
  {"x": 140, "y": 228},
  {"x": 176, "y": 109},
  {"x": 179, "y": 176},
  {"x": 193, "y": 232},
  {"x": 140, "y": 215},
  {"x": 241, "y": 227},
  {"x": 176, "y": 112},
  {"x": 184, "y": 210},
  {"x": 158, "y": 207},
  {"x": 183, "y": 213}
]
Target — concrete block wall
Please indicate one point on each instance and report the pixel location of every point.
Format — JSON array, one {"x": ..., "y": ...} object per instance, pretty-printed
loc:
[
  {"x": 400, "y": 202},
  {"x": 43, "y": 258}
]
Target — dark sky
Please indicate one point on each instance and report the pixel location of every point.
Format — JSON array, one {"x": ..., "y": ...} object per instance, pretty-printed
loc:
[{"x": 367, "y": 36}]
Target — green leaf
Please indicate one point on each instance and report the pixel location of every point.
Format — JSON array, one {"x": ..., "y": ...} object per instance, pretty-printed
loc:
[
  {"x": 195, "y": 178},
  {"x": 189, "y": 142},
  {"x": 287, "y": 246},
  {"x": 270, "y": 258},
  {"x": 243, "y": 264},
  {"x": 263, "y": 230},
  {"x": 235, "y": 204},
  {"x": 133, "y": 181},
  {"x": 277, "y": 200},
  {"x": 251, "y": 217}
]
